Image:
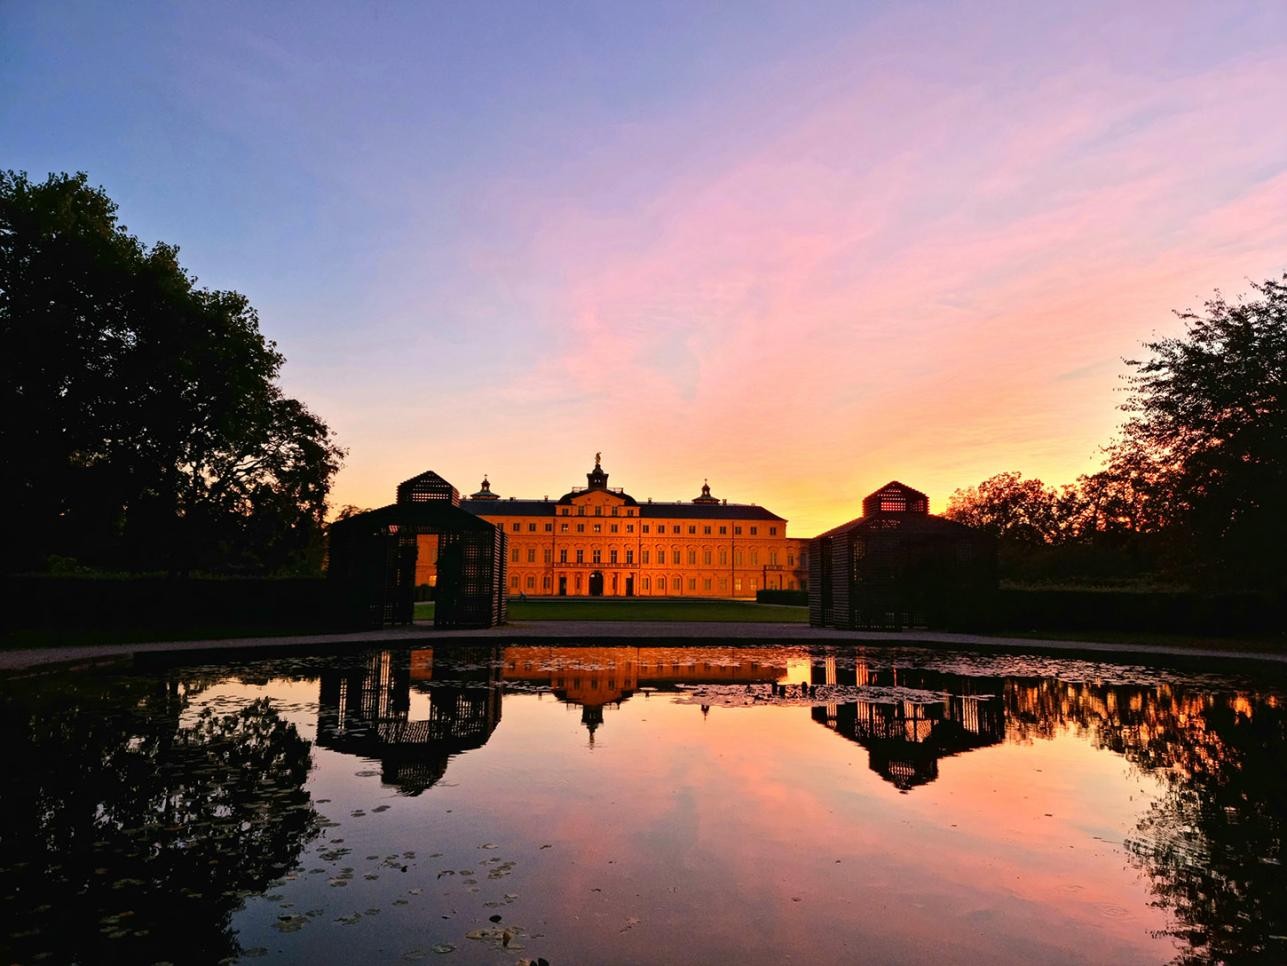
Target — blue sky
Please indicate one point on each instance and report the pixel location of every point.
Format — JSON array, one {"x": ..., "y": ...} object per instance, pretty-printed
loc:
[{"x": 799, "y": 249}]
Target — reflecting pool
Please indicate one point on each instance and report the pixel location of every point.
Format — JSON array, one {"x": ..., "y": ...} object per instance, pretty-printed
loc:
[{"x": 643, "y": 805}]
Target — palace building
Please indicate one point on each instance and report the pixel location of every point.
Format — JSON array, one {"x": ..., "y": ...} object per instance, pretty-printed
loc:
[{"x": 599, "y": 541}]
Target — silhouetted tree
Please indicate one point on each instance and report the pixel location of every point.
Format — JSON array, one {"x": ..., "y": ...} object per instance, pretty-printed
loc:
[
  {"x": 1208, "y": 410},
  {"x": 1012, "y": 509},
  {"x": 140, "y": 417}
]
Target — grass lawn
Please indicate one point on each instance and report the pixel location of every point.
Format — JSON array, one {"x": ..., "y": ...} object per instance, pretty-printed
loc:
[{"x": 641, "y": 609}]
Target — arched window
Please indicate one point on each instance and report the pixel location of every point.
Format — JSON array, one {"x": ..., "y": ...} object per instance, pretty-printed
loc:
[{"x": 661, "y": 583}]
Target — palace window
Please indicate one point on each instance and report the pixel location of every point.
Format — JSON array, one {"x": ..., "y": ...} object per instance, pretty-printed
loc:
[
  {"x": 723, "y": 556},
  {"x": 646, "y": 528},
  {"x": 563, "y": 528},
  {"x": 630, "y": 528},
  {"x": 661, "y": 583},
  {"x": 773, "y": 557},
  {"x": 738, "y": 557},
  {"x": 549, "y": 528},
  {"x": 549, "y": 555},
  {"x": 706, "y": 584},
  {"x": 692, "y": 529},
  {"x": 531, "y": 582},
  {"x": 513, "y": 554},
  {"x": 578, "y": 583},
  {"x": 692, "y": 556},
  {"x": 692, "y": 583},
  {"x": 514, "y": 527},
  {"x": 706, "y": 557},
  {"x": 675, "y": 556},
  {"x": 630, "y": 556},
  {"x": 790, "y": 560},
  {"x": 580, "y": 528},
  {"x": 723, "y": 531},
  {"x": 580, "y": 511},
  {"x": 614, "y": 511},
  {"x": 737, "y": 585},
  {"x": 612, "y": 556},
  {"x": 531, "y": 528},
  {"x": 597, "y": 528},
  {"x": 513, "y": 581},
  {"x": 773, "y": 531},
  {"x": 755, "y": 557},
  {"x": 723, "y": 583},
  {"x": 675, "y": 528},
  {"x": 612, "y": 528},
  {"x": 754, "y": 530},
  {"x": 596, "y": 556},
  {"x": 531, "y": 555},
  {"x": 598, "y": 511},
  {"x": 563, "y": 556},
  {"x": 643, "y": 556},
  {"x": 563, "y": 511},
  {"x": 706, "y": 530},
  {"x": 646, "y": 584},
  {"x": 580, "y": 557},
  {"x": 546, "y": 582},
  {"x": 737, "y": 531}
]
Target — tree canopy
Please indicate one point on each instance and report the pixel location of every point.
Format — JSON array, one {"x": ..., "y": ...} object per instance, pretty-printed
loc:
[
  {"x": 1196, "y": 480},
  {"x": 142, "y": 421}
]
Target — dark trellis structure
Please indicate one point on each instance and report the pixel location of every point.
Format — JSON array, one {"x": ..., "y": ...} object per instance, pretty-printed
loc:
[
  {"x": 897, "y": 566},
  {"x": 373, "y": 560},
  {"x": 365, "y": 709}
]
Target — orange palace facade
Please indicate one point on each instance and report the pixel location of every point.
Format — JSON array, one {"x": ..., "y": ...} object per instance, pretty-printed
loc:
[{"x": 600, "y": 541}]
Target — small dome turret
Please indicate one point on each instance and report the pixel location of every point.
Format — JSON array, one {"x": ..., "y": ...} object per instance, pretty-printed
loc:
[{"x": 485, "y": 491}]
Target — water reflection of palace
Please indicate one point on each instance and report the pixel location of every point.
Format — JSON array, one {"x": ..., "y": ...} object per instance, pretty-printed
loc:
[
  {"x": 926, "y": 716},
  {"x": 386, "y": 709},
  {"x": 595, "y": 677}
]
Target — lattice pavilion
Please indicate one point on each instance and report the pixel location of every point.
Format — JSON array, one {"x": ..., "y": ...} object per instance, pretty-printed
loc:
[
  {"x": 374, "y": 557},
  {"x": 898, "y": 566}
]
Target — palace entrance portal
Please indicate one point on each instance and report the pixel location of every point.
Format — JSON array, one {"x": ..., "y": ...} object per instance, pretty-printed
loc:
[{"x": 596, "y": 583}]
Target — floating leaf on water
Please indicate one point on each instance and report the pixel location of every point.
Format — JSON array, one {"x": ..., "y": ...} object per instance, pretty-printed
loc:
[
  {"x": 443, "y": 948},
  {"x": 381, "y": 808},
  {"x": 349, "y": 919}
]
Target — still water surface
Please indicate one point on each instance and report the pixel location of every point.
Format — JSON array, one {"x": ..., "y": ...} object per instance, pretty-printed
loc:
[{"x": 643, "y": 805}]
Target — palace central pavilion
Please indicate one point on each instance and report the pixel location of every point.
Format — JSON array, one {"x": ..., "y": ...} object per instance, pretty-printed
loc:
[{"x": 598, "y": 540}]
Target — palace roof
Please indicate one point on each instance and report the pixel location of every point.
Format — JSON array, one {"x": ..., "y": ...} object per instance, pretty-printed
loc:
[{"x": 647, "y": 511}]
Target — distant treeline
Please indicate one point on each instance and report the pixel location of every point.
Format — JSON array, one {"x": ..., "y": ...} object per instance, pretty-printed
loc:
[{"x": 1193, "y": 489}]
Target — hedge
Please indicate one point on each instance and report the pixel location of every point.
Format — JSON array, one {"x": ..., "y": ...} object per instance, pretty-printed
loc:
[
  {"x": 155, "y": 603},
  {"x": 797, "y": 598}
]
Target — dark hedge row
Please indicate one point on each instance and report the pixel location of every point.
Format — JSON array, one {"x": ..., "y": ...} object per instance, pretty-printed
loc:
[
  {"x": 798, "y": 598},
  {"x": 157, "y": 603},
  {"x": 1175, "y": 612}
]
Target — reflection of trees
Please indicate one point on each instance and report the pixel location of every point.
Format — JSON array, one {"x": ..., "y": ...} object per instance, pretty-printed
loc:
[
  {"x": 1212, "y": 844},
  {"x": 366, "y": 711},
  {"x": 127, "y": 838}
]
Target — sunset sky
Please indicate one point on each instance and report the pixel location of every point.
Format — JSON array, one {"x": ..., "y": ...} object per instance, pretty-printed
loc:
[{"x": 797, "y": 252}]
